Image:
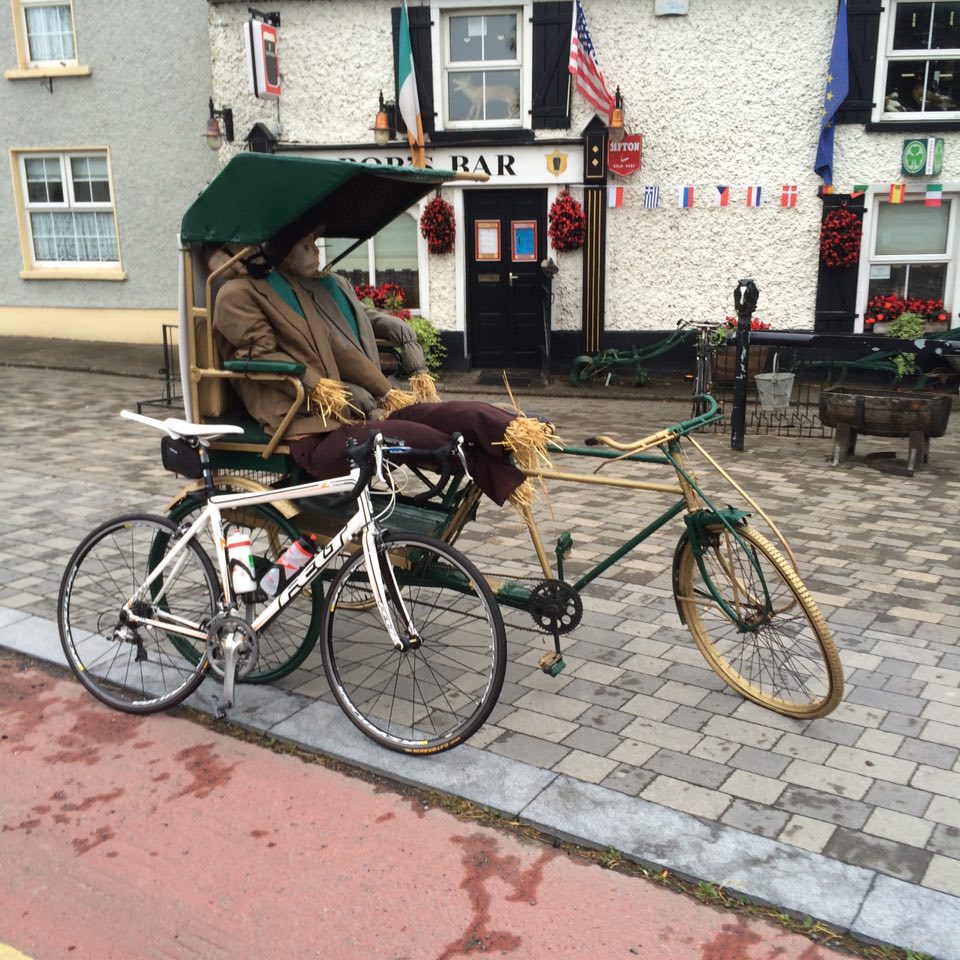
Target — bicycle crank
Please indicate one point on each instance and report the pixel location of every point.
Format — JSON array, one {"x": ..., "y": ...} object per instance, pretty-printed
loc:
[
  {"x": 232, "y": 651},
  {"x": 556, "y": 608}
]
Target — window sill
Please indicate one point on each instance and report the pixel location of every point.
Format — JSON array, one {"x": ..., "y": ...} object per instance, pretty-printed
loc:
[
  {"x": 911, "y": 126},
  {"x": 49, "y": 273},
  {"x": 43, "y": 73}
]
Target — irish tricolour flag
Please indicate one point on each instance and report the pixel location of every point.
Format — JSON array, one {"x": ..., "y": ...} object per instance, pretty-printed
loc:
[{"x": 409, "y": 102}]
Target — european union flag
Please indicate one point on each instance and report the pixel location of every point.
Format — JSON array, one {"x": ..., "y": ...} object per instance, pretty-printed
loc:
[{"x": 837, "y": 88}]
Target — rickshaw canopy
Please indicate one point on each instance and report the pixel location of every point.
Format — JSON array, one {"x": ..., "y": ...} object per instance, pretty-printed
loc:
[{"x": 259, "y": 196}]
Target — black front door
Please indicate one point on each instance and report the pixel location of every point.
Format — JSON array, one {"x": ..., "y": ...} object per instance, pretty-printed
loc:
[{"x": 506, "y": 240}]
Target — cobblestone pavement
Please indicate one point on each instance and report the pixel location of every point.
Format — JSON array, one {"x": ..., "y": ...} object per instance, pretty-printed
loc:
[{"x": 875, "y": 785}]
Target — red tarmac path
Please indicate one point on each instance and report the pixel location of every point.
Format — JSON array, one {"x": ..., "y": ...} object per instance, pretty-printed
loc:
[{"x": 126, "y": 837}]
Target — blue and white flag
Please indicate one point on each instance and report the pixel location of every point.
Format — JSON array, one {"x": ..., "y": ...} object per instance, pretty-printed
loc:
[{"x": 651, "y": 197}]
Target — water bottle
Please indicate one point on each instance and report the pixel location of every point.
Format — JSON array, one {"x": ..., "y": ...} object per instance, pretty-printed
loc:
[
  {"x": 288, "y": 563},
  {"x": 240, "y": 560}
]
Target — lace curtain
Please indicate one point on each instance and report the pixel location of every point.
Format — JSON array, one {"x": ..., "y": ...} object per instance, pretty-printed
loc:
[
  {"x": 50, "y": 33},
  {"x": 74, "y": 236}
]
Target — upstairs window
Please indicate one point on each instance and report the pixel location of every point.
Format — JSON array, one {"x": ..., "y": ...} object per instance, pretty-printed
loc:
[
  {"x": 482, "y": 69},
  {"x": 922, "y": 61},
  {"x": 45, "y": 39},
  {"x": 48, "y": 29}
]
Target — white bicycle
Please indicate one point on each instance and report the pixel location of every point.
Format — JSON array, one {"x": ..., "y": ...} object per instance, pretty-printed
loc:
[{"x": 412, "y": 640}]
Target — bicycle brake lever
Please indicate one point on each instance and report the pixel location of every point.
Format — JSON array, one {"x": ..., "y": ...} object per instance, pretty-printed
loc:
[{"x": 460, "y": 450}]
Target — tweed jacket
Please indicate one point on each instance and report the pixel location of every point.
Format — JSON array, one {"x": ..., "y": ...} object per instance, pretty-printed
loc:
[
  {"x": 371, "y": 323},
  {"x": 252, "y": 321}
]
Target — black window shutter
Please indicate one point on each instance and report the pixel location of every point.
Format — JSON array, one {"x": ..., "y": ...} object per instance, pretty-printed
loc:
[
  {"x": 422, "y": 61},
  {"x": 550, "y": 106},
  {"x": 836, "y": 309},
  {"x": 863, "y": 35}
]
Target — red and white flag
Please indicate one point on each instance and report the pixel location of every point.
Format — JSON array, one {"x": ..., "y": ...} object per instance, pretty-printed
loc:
[
  {"x": 788, "y": 196},
  {"x": 753, "y": 196},
  {"x": 585, "y": 67},
  {"x": 615, "y": 196}
]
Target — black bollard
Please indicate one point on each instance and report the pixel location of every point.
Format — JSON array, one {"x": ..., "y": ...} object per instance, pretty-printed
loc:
[{"x": 745, "y": 297}]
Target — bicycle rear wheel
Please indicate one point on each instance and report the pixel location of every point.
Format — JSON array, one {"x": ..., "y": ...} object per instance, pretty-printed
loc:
[
  {"x": 286, "y": 641},
  {"x": 438, "y": 693},
  {"x": 778, "y": 650},
  {"x": 135, "y": 667}
]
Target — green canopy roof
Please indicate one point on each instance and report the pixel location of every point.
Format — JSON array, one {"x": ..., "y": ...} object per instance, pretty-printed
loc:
[{"x": 260, "y": 196}]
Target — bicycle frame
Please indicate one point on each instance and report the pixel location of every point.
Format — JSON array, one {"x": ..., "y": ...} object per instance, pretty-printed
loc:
[
  {"x": 362, "y": 524},
  {"x": 700, "y": 509}
]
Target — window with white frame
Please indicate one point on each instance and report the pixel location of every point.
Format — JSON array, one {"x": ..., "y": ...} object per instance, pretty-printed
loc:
[
  {"x": 921, "y": 49},
  {"x": 482, "y": 67},
  {"x": 912, "y": 254},
  {"x": 391, "y": 256},
  {"x": 68, "y": 209}
]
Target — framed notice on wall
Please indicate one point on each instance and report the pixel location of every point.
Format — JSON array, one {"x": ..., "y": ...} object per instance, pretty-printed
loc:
[
  {"x": 523, "y": 240},
  {"x": 487, "y": 239}
]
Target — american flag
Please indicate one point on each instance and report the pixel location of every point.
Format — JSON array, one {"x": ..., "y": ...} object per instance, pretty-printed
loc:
[{"x": 584, "y": 66}]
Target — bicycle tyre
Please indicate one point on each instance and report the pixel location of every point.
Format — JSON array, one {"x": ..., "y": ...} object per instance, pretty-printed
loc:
[
  {"x": 428, "y": 699},
  {"x": 151, "y": 672},
  {"x": 787, "y": 661},
  {"x": 287, "y": 640}
]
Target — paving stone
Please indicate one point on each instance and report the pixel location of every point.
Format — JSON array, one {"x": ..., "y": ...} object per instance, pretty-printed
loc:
[
  {"x": 931, "y": 754},
  {"x": 906, "y": 726},
  {"x": 817, "y": 805},
  {"x": 754, "y": 817},
  {"x": 682, "y": 766},
  {"x": 591, "y": 740},
  {"x": 585, "y": 766},
  {"x": 942, "y": 874},
  {"x": 751, "y": 734},
  {"x": 689, "y": 718},
  {"x": 660, "y": 734},
  {"x": 628, "y": 779},
  {"x": 753, "y": 786},
  {"x": 538, "y": 725},
  {"x": 591, "y": 691},
  {"x": 892, "y": 796},
  {"x": 678, "y": 795},
  {"x": 945, "y": 840},
  {"x": 602, "y": 718},
  {"x": 944, "y": 810},
  {"x": 807, "y": 832},
  {"x": 935, "y": 780},
  {"x": 894, "y": 859},
  {"x": 551, "y": 704},
  {"x": 519, "y": 746},
  {"x": 898, "y": 826},
  {"x": 871, "y": 764},
  {"x": 766, "y": 763},
  {"x": 832, "y": 730}
]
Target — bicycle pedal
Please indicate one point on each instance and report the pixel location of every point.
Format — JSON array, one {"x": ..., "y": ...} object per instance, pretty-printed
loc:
[{"x": 552, "y": 663}]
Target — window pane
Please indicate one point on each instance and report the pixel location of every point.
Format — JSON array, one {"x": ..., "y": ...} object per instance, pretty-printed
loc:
[
  {"x": 72, "y": 237},
  {"x": 918, "y": 85},
  {"x": 395, "y": 258},
  {"x": 90, "y": 181},
  {"x": 484, "y": 95},
  {"x": 911, "y": 29},
  {"x": 43, "y": 180},
  {"x": 50, "y": 33},
  {"x": 946, "y": 26},
  {"x": 483, "y": 38},
  {"x": 925, "y": 281},
  {"x": 905, "y": 229},
  {"x": 358, "y": 260}
]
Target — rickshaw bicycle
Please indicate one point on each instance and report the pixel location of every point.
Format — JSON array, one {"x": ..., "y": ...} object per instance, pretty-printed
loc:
[{"x": 739, "y": 597}]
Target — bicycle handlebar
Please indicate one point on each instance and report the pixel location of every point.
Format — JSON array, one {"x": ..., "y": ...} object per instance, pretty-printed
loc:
[
  {"x": 369, "y": 457},
  {"x": 661, "y": 436}
]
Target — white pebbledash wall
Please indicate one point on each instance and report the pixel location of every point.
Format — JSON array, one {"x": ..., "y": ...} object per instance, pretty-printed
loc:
[{"x": 728, "y": 94}]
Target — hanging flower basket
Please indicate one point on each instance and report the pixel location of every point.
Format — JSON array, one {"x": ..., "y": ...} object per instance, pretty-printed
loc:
[
  {"x": 567, "y": 223},
  {"x": 438, "y": 226},
  {"x": 840, "y": 238}
]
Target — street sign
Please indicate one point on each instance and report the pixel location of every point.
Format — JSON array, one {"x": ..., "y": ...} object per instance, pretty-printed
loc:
[
  {"x": 624, "y": 157},
  {"x": 922, "y": 157}
]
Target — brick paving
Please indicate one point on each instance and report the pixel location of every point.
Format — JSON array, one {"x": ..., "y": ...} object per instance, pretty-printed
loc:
[{"x": 875, "y": 785}]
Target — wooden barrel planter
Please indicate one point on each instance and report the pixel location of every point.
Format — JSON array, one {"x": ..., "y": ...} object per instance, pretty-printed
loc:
[
  {"x": 884, "y": 413},
  {"x": 725, "y": 368}
]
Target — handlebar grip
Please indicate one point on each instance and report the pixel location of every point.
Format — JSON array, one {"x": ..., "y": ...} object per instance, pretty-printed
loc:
[{"x": 360, "y": 454}]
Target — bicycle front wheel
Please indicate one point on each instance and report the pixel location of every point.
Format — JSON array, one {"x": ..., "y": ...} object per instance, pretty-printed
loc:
[
  {"x": 137, "y": 668},
  {"x": 438, "y": 692},
  {"x": 771, "y": 644}
]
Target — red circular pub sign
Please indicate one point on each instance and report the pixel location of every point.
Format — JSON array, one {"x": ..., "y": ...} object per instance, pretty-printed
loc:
[{"x": 623, "y": 158}]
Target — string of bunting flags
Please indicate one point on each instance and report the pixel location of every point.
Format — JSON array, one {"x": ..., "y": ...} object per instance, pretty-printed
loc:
[{"x": 723, "y": 195}]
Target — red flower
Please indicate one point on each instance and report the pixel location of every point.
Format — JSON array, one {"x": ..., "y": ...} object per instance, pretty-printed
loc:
[
  {"x": 438, "y": 225},
  {"x": 840, "y": 238},
  {"x": 567, "y": 223}
]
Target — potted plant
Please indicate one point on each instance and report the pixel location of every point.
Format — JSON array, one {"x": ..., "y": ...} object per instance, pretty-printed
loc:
[
  {"x": 726, "y": 359},
  {"x": 391, "y": 298},
  {"x": 883, "y": 309}
]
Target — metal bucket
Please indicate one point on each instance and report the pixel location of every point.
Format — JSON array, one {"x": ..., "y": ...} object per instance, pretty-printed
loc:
[{"x": 774, "y": 389}]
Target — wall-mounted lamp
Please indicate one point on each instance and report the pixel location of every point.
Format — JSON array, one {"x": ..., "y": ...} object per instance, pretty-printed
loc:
[
  {"x": 216, "y": 134},
  {"x": 385, "y": 124},
  {"x": 616, "y": 130}
]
